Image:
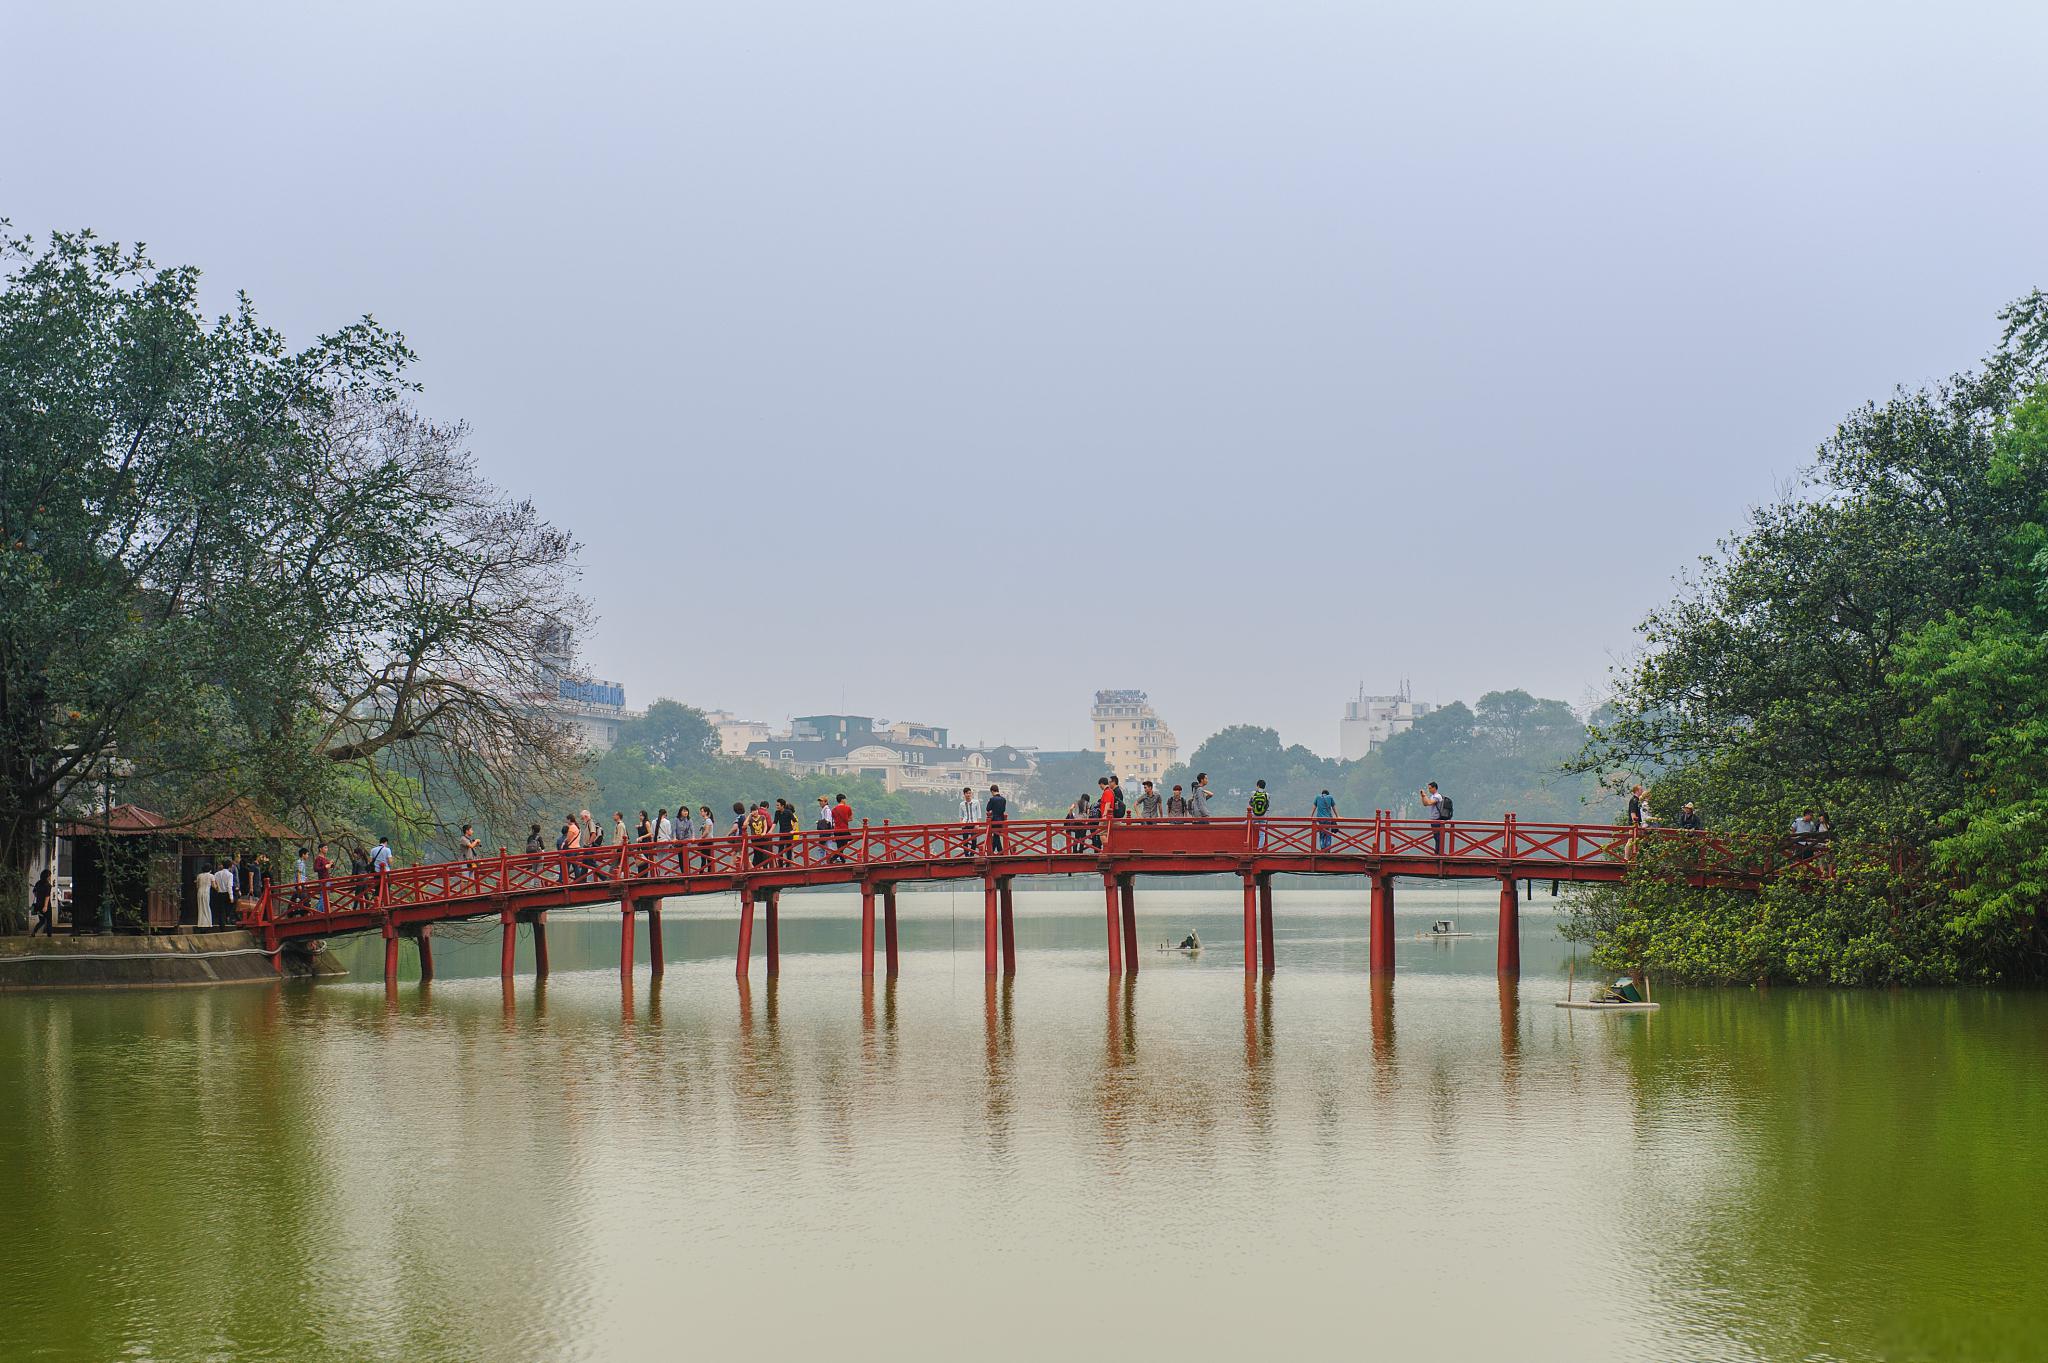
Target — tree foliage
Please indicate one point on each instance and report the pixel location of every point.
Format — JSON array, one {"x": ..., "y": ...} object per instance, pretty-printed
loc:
[
  {"x": 234, "y": 569},
  {"x": 1875, "y": 647},
  {"x": 1507, "y": 753}
]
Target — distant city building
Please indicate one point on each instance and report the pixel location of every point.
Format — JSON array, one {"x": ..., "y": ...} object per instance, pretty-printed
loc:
[
  {"x": 1132, "y": 737},
  {"x": 1371, "y": 720},
  {"x": 902, "y": 756},
  {"x": 590, "y": 709},
  {"x": 735, "y": 735}
]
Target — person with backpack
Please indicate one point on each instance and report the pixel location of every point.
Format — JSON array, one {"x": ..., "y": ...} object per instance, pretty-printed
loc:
[
  {"x": 1177, "y": 804},
  {"x": 1255, "y": 810},
  {"x": 1326, "y": 819},
  {"x": 1439, "y": 806},
  {"x": 1116, "y": 788},
  {"x": 1078, "y": 819}
]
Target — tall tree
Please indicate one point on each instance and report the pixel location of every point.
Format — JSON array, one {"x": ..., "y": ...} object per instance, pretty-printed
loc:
[
  {"x": 235, "y": 569},
  {"x": 1870, "y": 648}
]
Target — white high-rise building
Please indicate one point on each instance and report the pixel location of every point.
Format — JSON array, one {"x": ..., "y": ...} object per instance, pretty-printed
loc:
[{"x": 1371, "y": 720}]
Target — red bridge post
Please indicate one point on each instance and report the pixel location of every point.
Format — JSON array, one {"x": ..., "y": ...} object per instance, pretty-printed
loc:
[
  {"x": 390, "y": 954},
  {"x": 1127, "y": 902},
  {"x": 657, "y": 963},
  {"x": 1115, "y": 916},
  {"x": 508, "y": 924},
  {"x": 423, "y": 942},
  {"x": 989, "y": 929},
  {"x": 746, "y": 953},
  {"x": 627, "y": 908},
  {"x": 1266, "y": 920},
  {"x": 540, "y": 944},
  {"x": 889, "y": 927},
  {"x": 867, "y": 930},
  {"x": 774, "y": 933},
  {"x": 1251, "y": 923},
  {"x": 1009, "y": 926},
  {"x": 1508, "y": 956},
  {"x": 1381, "y": 952}
]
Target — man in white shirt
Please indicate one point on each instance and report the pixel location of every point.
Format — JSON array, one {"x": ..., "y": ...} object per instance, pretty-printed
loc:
[
  {"x": 970, "y": 815},
  {"x": 224, "y": 894},
  {"x": 380, "y": 856}
]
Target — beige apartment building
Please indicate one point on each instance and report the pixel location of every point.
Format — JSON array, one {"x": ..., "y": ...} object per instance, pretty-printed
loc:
[{"x": 1132, "y": 737}]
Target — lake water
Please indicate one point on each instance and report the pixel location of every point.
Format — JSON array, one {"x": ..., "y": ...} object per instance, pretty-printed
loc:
[{"x": 1058, "y": 1168}]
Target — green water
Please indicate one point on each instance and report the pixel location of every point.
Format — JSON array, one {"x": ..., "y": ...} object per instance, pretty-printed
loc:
[{"x": 1181, "y": 1168}]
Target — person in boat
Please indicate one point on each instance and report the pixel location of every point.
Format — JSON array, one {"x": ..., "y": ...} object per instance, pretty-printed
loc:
[{"x": 1191, "y": 942}]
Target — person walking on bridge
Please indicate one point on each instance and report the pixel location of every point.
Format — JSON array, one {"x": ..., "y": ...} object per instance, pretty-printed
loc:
[
  {"x": 970, "y": 815},
  {"x": 1438, "y": 807},
  {"x": 1150, "y": 806},
  {"x": 998, "y": 810},
  {"x": 1198, "y": 798},
  {"x": 1255, "y": 811},
  {"x": 707, "y": 832},
  {"x": 1689, "y": 818},
  {"x": 1177, "y": 804},
  {"x": 842, "y": 826},
  {"x": 534, "y": 843},
  {"x": 1105, "y": 808},
  {"x": 1077, "y": 822},
  {"x": 1326, "y": 819}
]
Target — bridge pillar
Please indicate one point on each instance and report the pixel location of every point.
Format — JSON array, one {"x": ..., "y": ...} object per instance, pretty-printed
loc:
[
  {"x": 774, "y": 933},
  {"x": 746, "y": 953},
  {"x": 989, "y": 930},
  {"x": 889, "y": 928},
  {"x": 508, "y": 926},
  {"x": 867, "y": 930},
  {"x": 1508, "y": 956},
  {"x": 1127, "y": 900},
  {"x": 390, "y": 953},
  {"x": 1266, "y": 920},
  {"x": 540, "y": 944},
  {"x": 657, "y": 963},
  {"x": 1009, "y": 916},
  {"x": 1116, "y": 930},
  {"x": 1251, "y": 923},
  {"x": 627, "y": 908},
  {"x": 1381, "y": 952},
  {"x": 423, "y": 942}
]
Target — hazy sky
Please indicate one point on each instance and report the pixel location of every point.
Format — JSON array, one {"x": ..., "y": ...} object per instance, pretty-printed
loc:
[{"x": 949, "y": 361}]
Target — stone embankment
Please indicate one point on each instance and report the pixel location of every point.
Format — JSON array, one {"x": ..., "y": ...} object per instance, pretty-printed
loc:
[{"x": 123, "y": 960}]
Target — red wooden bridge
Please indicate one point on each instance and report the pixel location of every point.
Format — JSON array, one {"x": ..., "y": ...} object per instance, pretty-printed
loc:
[{"x": 639, "y": 875}]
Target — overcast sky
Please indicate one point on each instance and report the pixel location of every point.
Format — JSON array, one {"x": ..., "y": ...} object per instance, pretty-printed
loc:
[{"x": 948, "y": 361}]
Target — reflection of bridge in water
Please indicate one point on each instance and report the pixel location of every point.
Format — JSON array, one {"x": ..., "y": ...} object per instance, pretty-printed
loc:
[{"x": 639, "y": 875}]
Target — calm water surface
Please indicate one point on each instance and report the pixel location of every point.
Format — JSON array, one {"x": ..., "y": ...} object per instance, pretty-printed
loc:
[{"x": 1179, "y": 1168}]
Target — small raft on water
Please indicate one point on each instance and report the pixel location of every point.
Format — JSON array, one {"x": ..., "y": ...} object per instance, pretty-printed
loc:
[
  {"x": 1620, "y": 997},
  {"x": 1191, "y": 945},
  {"x": 1443, "y": 929}
]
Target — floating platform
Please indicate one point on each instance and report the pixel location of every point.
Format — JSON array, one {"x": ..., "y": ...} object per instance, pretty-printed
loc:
[{"x": 1588, "y": 1006}]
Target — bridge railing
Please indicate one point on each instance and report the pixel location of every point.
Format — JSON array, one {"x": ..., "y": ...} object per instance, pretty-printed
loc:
[{"x": 1533, "y": 847}]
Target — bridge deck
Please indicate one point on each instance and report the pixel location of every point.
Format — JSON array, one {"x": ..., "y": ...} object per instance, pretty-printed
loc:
[{"x": 639, "y": 875}]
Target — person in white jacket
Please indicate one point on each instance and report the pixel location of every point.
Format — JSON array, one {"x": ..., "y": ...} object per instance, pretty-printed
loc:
[{"x": 970, "y": 815}]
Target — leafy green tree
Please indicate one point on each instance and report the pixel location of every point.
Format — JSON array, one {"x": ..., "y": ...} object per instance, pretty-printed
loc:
[
  {"x": 232, "y": 569},
  {"x": 1061, "y": 777},
  {"x": 673, "y": 735},
  {"x": 1872, "y": 648}
]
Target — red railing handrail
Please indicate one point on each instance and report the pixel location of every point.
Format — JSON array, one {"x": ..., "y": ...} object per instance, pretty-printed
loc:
[{"x": 1473, "y": 842}]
